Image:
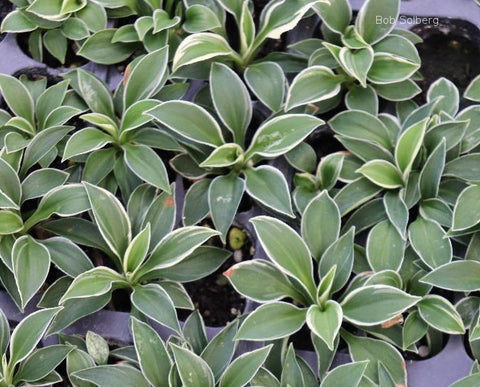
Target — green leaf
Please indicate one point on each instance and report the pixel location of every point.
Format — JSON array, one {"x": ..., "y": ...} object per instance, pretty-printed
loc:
[
  {"x": 224, "y": 196},
  {"x": 432, "y": 172},
  {"x": 151, "y": 352},
  {"x": 99, "y": 48},
  {"x": 376, "y": 351},
  {"x": 467, "y": 381},
  {"x": 382, "y": 173},
  {"x": 319, "y": 213},
  {"x": 219, "y": 352},
  {"x": 193, "y": 370},
  {"x": 97, "y": 348},
  {"x": 112, "y": 376},
  {"x": 39, "y": 182},
  {"x": 85, "y": 141},
  {"x": 388, "y": 68},
  {"x": 56, "y": 44},
  {"x": 351, "y": 374},
  {"x": 235, "y": 113},
  {"x": 67, "y": 200},
  {"x": 280, "y": 134},
  {"x": 375, "y": 304},
  {"x": 267, "y": 82},
  {"x": 147, "y": 165},
  {"x": 286, "y": 249},
  {"x": 414, "y": 328},
  {"x": 67, "y": 256},
  {"x": 440, "y": 314},
  {"x": 472, "y": 93},
  {"x": 135, "y": 116},
  {"x": 17, "y": 97},
  {"x": 464, "y": 167},
  {"x": 462, "y": 276},
  {"x": 16, "y": 22},
  {"x": 28, "y": 334},
  {"x": 200, "y": 47},
  {"x": 397, "y": 211},
  {"x": 325, "y": 322},
  {"x": 268, "y": 185},
  {"x": 409, "y": 145},
  {"x": 314, "y": 84},
  {"x": 365, "y": 99},
  {"x": 95, "y": 93},
  {"x": 199, "y": 18},
  {"x": 4, "y": 333},
  {"x": 31, "y": 264},
  {"x": 362, "y": 126},
  {"x": 244, "y": 368},
  {"x": 385, "y": 247},
  {"x": 450, "y": 98},
  {"x": 175, "y": 247},
  {"x": 224, "y": 156},
  {"x": 142, "y": 82},
  {"x": 95, "y": 282},
  {"x": 429, "y": 241},
  {"x": 261, "y": 281},
  {"x": 195, "y": 205},
  {"x": 291, "y": 371},
  {"x": 339, "y": 254},
  {"x": 137, "y": 250},
  {"x": 111, "y": 218},
  {"x": 282, "y": 16},
  {"x": 10, "y": 222},
  {"x": 336, "y": 14},
  {"x": 153, "y": 301},
  {"x": 357, "y": 63},
  {"x": 41, "y": 363},
  {"x": 303, "y": 158},
  {"x": 467, "y": 209},
  {"x": 272, "y": 321},
  {"x": 190, "y": 121},
  {"x": 400, "y": 91},
  {"x": 367, "y": 23}
]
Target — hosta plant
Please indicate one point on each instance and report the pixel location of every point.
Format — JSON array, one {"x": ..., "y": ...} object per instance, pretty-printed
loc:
[
  {"x": 186, "y": 359},
  {"x": 366, "y": 60},
  {"x": 193, "y": 56},
  {"x": 121, "y": 141},
  {"x": 36, "y": 123},
  {"x": 53, "y": 26},
  {"x": 25, "y": 364},
  {"x": 213, "y": 150},
  {"x": 156, "y": 24},
  {"x": 150, "y": 260},
  {"x": 25, "y": 254},
  {"x": 373, "y": 301}
]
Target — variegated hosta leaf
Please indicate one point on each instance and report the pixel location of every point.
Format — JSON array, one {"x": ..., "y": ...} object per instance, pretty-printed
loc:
[
  {"x": 289, "y": 253},
  {"x": 314, "y": 84},
  {"x": 440, "y": 314},
  {"x": 377, "y": 351},
  {"x": 375, "y": 304},
  {"x": 201, "y": 47},
  {"x": 272, "y": 321}
]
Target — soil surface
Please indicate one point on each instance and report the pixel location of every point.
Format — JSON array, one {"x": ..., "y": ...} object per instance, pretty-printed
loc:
[
  {"x": 450, "y": 50},
  {"x": 71, "y": 59},
  {"x": 214, "y": 297}
]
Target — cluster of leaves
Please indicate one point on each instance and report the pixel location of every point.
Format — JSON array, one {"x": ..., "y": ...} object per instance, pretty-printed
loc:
[{"x": 363, "y": 247}]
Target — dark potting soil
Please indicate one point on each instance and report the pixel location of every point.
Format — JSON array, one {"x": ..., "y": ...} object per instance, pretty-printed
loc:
[
  {"x": 5, "y": 8},
  {"x": 213, "y": 296},
  {"x": 71, "y": 59},
  {"x": 451, "y": 50},
  {"x": 37, "y": 73}
]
